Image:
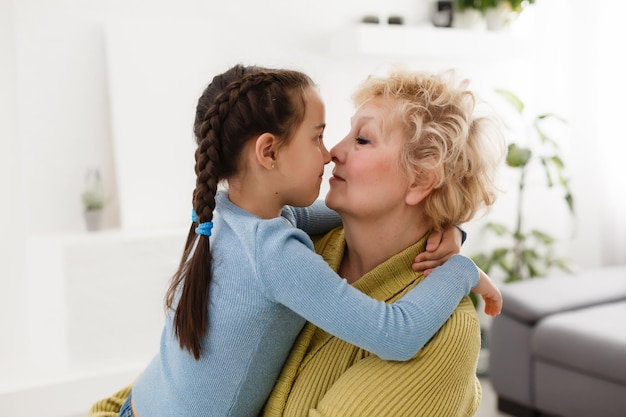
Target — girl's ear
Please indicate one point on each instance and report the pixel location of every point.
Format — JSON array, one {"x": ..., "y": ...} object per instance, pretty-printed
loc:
[
  {"x": 420, "y": 188},
  {"x": 266, "y": 150}
]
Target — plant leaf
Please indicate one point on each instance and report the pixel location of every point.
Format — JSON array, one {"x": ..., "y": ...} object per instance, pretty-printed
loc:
[
  {"x": 546, "y": 167},
  {"x": 517, "y": 157},
  {"x": 512, "y": 99},
  {"x": 570, "y": 201},
  {"x": 498, "y": 229},
  {"x": 543, "y": 237}
]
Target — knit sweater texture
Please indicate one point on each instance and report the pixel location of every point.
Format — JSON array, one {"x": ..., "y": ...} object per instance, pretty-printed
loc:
[
  {"x": 325, "y": 376},
  {"x": 267, "y": 281}
]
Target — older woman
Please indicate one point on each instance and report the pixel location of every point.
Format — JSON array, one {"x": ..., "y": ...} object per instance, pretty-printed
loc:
[{"x": 416, "y": 160}]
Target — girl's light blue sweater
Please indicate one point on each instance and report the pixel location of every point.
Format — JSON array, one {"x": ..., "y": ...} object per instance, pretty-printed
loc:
[{"x": 267, "y": 281}]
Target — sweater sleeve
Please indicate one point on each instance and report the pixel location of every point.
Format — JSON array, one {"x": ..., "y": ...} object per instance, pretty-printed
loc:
[
  {"x": 313, "y": 220},
  {"x": 110, "y": 406},
  {"x": 296, "y": 277},
  {"x": 439, "y": 381}
]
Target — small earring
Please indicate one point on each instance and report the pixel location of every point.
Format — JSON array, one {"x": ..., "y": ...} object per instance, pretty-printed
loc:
[{"x": 273, "y": 166}]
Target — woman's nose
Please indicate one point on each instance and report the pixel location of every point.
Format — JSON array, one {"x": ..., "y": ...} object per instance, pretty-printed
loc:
[{"x": 337, "y": 152}]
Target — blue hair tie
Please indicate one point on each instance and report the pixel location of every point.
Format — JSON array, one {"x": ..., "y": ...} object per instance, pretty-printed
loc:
[{"x": 203, "y": 228}]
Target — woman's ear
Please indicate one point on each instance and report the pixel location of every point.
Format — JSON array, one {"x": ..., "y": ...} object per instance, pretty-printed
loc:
[
  {"x": 421, "y": 186},
  {"x": 266, "y": 150}
]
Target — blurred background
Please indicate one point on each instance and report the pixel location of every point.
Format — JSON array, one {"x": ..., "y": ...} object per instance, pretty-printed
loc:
[{"x": 99, "y": 96}]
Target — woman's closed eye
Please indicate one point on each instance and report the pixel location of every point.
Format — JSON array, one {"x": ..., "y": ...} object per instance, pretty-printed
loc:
[{"x": 361, "y": 140}]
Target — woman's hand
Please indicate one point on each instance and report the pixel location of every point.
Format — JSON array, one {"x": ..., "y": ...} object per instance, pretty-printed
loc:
[
  {"x": 490, "y": 294},
  {"x": 439, "y": 248}
]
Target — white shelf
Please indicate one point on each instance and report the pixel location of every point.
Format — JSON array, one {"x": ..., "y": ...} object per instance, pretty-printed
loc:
[{"x": 425, "y": 41}]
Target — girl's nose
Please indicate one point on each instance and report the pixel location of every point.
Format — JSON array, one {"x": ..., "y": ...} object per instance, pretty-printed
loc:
[{"x": 325, "y": 154}]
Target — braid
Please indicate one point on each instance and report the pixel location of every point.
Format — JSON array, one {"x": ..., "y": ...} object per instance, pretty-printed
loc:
[
  {"x": 207, "y": 175},
  {"x": 236, "y": 106},
  {"x": 208, "y": 154}
]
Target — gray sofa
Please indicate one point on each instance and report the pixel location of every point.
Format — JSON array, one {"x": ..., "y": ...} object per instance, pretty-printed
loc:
[{"x": 559, "y": 346}]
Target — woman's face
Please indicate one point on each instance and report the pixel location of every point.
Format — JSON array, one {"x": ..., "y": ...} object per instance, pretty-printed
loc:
[{"x": 368, "y": 179}]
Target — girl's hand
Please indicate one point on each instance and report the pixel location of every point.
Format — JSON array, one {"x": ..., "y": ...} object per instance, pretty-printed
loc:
[
  {"x": 439, "y": 248},
  {"x": 490, "y": 294}
]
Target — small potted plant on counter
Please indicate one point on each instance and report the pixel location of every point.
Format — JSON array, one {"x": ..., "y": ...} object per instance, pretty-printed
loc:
[{"x": 94, "y": 200}]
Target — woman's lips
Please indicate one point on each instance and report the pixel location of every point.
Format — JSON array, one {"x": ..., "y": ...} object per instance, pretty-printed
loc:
[{"x": 336, "y": 178}]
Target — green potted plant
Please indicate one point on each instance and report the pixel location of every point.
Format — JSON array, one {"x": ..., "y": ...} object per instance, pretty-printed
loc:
[
  {"x": 462, "y": 5},
  {"x": 467, "y": 14},
  {"x": 499, "y": 13},
  {"x": 526, "y": 252},
  {"x": 495, "y": 14},
  {"x": 516, "y": 6},
  {"x": 94, "y": 199}
]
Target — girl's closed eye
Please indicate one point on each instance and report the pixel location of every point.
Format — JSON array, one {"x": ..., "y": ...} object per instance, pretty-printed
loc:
[{"x": 360, "y": 140}]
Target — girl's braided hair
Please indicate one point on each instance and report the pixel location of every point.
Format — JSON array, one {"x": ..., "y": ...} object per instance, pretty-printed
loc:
[{"x": 238, "y": 105}]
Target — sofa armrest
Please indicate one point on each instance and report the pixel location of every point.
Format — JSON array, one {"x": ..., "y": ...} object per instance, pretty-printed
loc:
[{"x": 529, "y": 301}]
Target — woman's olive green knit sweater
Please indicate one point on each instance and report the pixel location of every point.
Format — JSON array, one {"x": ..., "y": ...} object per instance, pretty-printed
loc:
[{"x": 325, "y": 376}]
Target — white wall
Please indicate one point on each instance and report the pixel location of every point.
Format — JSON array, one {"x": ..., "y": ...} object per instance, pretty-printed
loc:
[
  {"x": 608, "y": 112},
  {"x": 63, "y": 108},
  {"x": 12, "y": 220}
]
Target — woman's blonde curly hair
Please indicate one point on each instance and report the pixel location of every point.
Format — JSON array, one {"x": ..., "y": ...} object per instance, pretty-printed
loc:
[{"x": 447, "y": 143}]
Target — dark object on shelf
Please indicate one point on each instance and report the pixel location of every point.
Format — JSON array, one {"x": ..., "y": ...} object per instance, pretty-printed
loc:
[
  {"x": 395, "y": 20},
  {"x": 370, "y": 19},
  {"x": 443, "y": 13}
]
